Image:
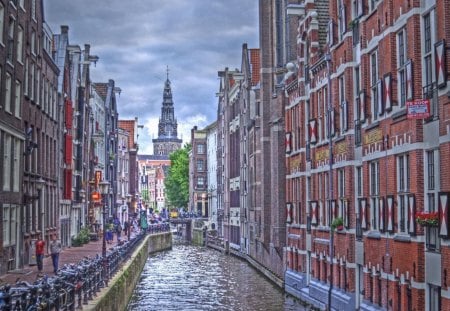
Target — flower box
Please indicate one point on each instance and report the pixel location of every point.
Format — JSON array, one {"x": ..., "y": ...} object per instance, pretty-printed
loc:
[
  {"x": 338, "y": 223},
  {"x": 428, "y": 219}
]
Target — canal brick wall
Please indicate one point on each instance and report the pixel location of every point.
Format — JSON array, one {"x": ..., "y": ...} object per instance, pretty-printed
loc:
[
  {"x": 218, "y": 244},
  {"x": 121, "y": 285}
]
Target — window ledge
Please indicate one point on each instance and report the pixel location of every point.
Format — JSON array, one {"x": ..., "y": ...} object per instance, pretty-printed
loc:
[
  {"x": 372, "y": 125},
  {"x": 376, "y": 235},
  {"x": 402, "y": 238},
  {"x": 398, "y": 114}
]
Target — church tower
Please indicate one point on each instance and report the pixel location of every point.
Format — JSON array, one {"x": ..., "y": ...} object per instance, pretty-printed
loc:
[{"x": 167, "y": 140}]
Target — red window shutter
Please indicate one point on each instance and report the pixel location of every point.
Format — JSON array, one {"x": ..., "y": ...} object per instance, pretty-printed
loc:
[
  {"x": 67, "y": 184},
  {"x": 69, "y": 114},
  {"x": 68, "y": 149}
]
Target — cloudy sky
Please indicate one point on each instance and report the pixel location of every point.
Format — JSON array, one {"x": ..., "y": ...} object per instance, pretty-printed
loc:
[{"x": 136, "y": 39}]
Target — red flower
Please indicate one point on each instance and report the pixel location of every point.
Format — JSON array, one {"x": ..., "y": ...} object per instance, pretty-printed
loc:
[{"x": 427, "y": 218}]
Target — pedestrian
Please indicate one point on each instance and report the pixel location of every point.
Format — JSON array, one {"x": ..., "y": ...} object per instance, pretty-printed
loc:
[
  {"x": 125, "y": 228},
  {"x": 40, "y": 248},
  {"x": 55, "y": 249}
]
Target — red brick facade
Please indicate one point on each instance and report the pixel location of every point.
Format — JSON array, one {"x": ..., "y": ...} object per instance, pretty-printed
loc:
[{"x": 386, "y": 165}]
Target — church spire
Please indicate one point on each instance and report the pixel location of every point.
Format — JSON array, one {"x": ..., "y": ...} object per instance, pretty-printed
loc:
[{"x": 167, "y": 140}]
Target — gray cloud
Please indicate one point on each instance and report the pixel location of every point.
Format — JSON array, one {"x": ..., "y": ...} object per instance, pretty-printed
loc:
[{"x": 137, "y": 39}]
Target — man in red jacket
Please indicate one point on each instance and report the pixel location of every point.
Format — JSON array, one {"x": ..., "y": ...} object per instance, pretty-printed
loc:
[{"x": 40, "y": 248}]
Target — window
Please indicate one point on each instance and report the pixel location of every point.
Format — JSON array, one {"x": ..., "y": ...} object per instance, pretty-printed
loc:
[
  {"x": 2, "y": 21},
  {"x": 403, "y": 186},
  {"x": 200, "y": 148},
  {"x": 32, "y": 81},
  {"x": 199, "y": 165},
  {"x": 401, "y": 68},
  {"x": 38, "y": 89},
  {"x": 19, "y": 50},
  {"x": 33, "y": 9},
  {"x": 341, "y": 193},
  {"x": 342, "y": 24},
  {"x": 33, "y": 42},
  {"x": 435, "y": 297},
  {"x": 359, "y": 181},
  {"x": 200, "y": 182},
  {"x": 8, "y": 86},
  {"x": 343, "y": 105},
  {"x": 374, "y": 84},
  {"x": 9, "y": 224},
  {"x": 10, "y": 42},
  {"x": 372, "y": 4},
  {"x": 17, "y": 101},
  {"x": 374, "y": 169},
  {"x": 7, "y": 163},
  {"x": 428, "y": 70},
  {"x": 431, "y": 196}
]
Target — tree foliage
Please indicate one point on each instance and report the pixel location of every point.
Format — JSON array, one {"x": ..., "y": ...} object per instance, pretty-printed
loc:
[{"x": 177, "y": 181}]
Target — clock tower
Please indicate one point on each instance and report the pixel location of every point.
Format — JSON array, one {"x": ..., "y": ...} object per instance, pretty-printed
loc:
[{"x": 167, "y": 140}]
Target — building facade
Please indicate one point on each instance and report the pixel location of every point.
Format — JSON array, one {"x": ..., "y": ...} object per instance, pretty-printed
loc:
[
  {"x": 360, "y": 154},
  {"x": 211, "y": 169},
  {"x": 198, "y": 192}
]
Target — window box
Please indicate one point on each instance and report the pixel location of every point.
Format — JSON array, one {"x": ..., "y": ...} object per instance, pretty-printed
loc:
[{"x": 427, "y": 219}]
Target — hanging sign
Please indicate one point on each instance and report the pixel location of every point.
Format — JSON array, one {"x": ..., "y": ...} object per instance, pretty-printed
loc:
[{"x": 418, "y": 109}]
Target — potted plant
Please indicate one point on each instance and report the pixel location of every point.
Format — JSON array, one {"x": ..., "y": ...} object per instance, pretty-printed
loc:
[
  {"x": 427, "y": 219},
  {"x": 337, "y": 224}
]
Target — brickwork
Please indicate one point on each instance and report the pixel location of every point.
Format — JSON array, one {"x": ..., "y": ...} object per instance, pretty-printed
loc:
[{"x": 394, "y": 246}]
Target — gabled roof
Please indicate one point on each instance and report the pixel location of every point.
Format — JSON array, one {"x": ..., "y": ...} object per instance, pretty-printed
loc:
[
  {"x": 129, "y": 126},
  {"x": 101, "y": 89}
]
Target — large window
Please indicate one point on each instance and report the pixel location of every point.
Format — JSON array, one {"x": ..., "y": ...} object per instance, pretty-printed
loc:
[
  {"x": 17, "y": 99},
  {"x": 431, "y": 199},
  {"x": 200, "y": 148},
  {"x": 401, "y": 68},
  {"x": 343, "y": 106},
  {"x": 8, "y": 86},
  {"x": 10, "y": 213},
  {"x": 434, "y": 301},
  {"x": 403, "y": 186},
  {"x": 200, "y": 182},
  {"x": 341, "y": 194},
  {"x": 19, "y": 51},
  {"x": 342, "y": 24},
  {"x": 374, "y": 84},
  {"x": 374, "y": 169},
  {"x": 10, "y": 43},
  {"x": 2, "y": 21},
  {"x": 200, "y": 165},
  {"x": 7, "y": 147}
]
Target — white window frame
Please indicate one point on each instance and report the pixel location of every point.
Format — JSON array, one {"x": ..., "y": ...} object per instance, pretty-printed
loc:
[
  {"x": 341, "y": 191},
  {"x": 402, "y": 59},
  {"x": 403, "y": 176},
  {"x": 431, "y": 186},
  {"x": 8, "y": 91},
  {"x": 17, "y": 146},
  {"x": 342, "y": 23},
  {"x": 17, "y": 99},
  {"x": 7, "y": 145},
  {"x": 2, "y": 23},
  {"x": 19, "y": 51},
  {"x": 374, "y": 188},
  {"x": 374, "y": 85}
]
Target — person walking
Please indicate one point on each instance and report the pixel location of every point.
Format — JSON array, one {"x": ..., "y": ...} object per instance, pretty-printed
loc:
[
  {"x": 55, "y": 249},
  {"x": 40, "y": 249}
]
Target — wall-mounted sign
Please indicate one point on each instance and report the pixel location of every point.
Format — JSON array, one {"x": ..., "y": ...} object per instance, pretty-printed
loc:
[{"x": 418, "y": 109}]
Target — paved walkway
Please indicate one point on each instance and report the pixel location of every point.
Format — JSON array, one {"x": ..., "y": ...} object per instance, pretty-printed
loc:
[{"x": 67, "y": 255}]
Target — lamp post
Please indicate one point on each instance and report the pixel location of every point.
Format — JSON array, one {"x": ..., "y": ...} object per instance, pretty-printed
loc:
[
  {"x": 128, "y": 216},
  {"x": 104, "y": 190}
]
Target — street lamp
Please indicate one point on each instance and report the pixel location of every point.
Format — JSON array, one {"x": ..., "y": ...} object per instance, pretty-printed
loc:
[{"x": 104, "y": 190}]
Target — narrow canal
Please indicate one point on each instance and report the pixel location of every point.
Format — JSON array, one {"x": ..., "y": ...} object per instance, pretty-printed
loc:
[{"x": 197, "y": 278}]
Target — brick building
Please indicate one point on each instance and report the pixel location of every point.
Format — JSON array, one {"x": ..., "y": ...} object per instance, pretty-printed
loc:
[
  {"x": 198, "y": 192},
  {"x": 367, "y": 140}
]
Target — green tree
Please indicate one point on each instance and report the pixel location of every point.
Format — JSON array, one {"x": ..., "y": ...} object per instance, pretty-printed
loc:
[{"x": 177, "y": 181}]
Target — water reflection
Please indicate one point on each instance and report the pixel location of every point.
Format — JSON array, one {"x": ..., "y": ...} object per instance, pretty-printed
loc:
[{"x": 197, "y": 278}]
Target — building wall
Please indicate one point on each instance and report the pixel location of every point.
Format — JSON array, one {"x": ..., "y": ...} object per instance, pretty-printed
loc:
[{"x": 384, "y": 163}]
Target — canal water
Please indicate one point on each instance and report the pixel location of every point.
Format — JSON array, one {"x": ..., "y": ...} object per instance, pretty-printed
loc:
[{"x": 197, "y": 278}]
